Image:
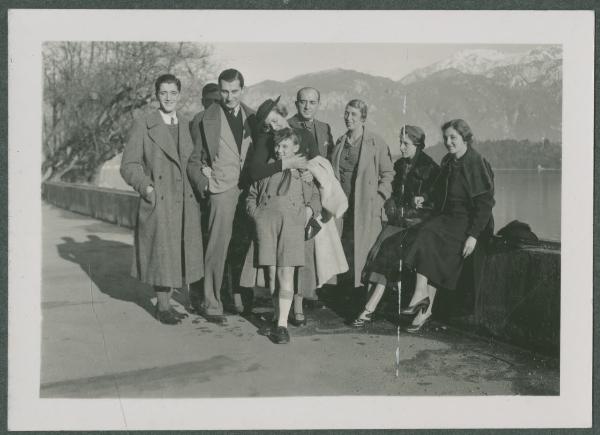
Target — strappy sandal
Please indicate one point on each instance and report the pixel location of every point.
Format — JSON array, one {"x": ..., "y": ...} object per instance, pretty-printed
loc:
[{"x": 363, "y": 319}]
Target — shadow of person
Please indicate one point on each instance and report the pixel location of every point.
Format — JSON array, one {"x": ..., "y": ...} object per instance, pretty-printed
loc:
[{"x": 108, "y": 264}]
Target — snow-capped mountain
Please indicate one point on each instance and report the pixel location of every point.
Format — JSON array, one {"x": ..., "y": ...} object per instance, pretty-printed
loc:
[
  {"x": 517, "y": 96},
  {"x": 526, "y": 67}
]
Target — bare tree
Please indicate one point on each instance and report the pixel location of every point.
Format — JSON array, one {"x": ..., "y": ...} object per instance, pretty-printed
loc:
[{"x": 93, "y": 90}]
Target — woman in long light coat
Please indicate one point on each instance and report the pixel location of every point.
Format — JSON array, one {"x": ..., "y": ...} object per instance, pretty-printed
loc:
[
  {"x": 363, "y": 164},
  {"x": 168, "y": 240}
]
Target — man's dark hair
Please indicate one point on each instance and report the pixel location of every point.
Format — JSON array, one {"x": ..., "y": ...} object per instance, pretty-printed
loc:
[
  {"x": 209, "y": 88},
  {"x": 167, "y": 78},
  {"x": 230, "y": 75}
]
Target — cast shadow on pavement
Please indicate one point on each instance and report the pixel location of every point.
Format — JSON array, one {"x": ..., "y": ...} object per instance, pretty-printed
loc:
[{"x": 108, "y": 264}]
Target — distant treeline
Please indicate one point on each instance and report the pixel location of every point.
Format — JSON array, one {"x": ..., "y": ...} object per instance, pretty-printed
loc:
[{"x": 513, "y": 154}]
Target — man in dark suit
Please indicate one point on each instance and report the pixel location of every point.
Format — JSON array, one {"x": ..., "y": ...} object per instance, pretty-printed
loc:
[
  {"x": 210, "y": 95},
  {"x": 307, "y": 104},
  {"x": 215, "y": 169}
]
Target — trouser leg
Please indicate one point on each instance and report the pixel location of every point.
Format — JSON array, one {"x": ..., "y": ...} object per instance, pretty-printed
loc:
[{"x": 220, "y": 222}]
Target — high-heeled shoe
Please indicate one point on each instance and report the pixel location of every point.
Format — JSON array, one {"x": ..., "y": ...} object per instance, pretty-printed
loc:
[
  {"x": 363, "y": 319},
  {"x": 416, "y": 328},
  {"x": 423, "y": 304}
]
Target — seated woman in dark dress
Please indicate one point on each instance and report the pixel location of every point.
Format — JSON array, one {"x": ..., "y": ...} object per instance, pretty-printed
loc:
[
  {"x": 463, "y": 197},
  {"x": 415, "y": 174}
]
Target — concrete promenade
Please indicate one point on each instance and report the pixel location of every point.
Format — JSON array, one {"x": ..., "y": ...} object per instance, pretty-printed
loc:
[{"x": 99, "y": 339}]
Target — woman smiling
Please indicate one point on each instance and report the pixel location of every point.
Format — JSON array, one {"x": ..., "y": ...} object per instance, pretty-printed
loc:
[
  {"x": 463, "y": 196},
  {"x": 362, "y": 163}
]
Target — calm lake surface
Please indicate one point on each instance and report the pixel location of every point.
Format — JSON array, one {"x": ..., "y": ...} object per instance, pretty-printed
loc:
[{"x": 529, "y": 196}]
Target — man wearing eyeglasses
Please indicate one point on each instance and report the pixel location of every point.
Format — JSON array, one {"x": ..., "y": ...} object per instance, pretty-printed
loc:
[{"x": 307, "y": 104}]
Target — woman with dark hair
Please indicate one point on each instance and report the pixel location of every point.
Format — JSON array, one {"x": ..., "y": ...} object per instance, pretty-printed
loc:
[
  {"x": 362, "y": 163},
  {"x": 463, "y": 196},
  {"x": 415, "y": 174}
]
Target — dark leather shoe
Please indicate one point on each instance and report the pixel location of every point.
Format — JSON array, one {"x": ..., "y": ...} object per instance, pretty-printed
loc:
[
  {"x": 219, "y": 319},
  {"x": 178, "y": 314},
  {"x": 280, "y": 335},
  {"x": 297, "y": 319},
  {"x": 166, "y": 317}
]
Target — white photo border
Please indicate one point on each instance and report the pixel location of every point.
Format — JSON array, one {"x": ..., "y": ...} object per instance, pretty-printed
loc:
[{"x": 28, "y": 29}]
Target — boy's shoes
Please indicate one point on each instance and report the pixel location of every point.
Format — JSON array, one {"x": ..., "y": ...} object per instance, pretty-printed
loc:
[
  {"x": 166, "y": 317},
  {"x": 280, "y": 335},
  {"x": 219, "y": 319}
]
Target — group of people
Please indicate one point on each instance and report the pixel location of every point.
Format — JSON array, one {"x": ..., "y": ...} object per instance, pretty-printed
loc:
[{"x": 302, "y": 209}]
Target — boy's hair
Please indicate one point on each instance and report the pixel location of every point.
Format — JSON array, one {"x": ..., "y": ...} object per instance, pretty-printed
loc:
[{"x": 286, "y": 133}]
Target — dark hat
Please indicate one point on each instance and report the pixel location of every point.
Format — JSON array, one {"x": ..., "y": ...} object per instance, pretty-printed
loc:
[
  {"x": 264, "y": 109},
  {"x": 209, "y": 89}
]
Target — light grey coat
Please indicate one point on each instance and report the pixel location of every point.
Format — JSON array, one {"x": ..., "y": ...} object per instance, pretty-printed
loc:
[
  {"x": 172, "y": 213},
  {"x": 373, "y": 185}
]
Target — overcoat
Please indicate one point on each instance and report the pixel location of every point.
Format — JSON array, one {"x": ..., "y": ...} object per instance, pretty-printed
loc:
[
  {"x": 168, "y": 240},
  {"x": 372, "y": 186}
]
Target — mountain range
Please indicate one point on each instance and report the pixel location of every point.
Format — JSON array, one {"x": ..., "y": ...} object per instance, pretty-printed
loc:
[{"x": 514, "y": 96}]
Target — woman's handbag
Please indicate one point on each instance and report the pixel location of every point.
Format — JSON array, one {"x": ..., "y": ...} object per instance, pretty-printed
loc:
[{"x": 312, "y": 228}]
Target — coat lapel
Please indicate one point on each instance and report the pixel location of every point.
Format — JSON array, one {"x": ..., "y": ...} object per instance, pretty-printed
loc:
[
  {"x": 335, "y": 156},
  {"x": 247, "y": 135},
  {"x": 186, "y": 146},
  {"x": 366, "y": 153},
  {"x": 320, "y": 133},
  {"x": 159, "y": 133}
]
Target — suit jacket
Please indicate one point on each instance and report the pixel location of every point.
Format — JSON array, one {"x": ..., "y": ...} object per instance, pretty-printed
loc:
[
  {"x": 215, "y": 146},
  {"x": 323, "y": 135}
]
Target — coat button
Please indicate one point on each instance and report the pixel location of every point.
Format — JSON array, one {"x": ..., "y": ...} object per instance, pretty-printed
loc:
[
  {"x": 162, "y": 197},
  {"x": 160, "y": 177},
  {"x": 191, "y": 195}
]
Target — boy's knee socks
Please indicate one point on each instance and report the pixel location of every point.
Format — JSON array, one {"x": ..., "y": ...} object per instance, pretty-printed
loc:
[{"x": 286, "y": 294}]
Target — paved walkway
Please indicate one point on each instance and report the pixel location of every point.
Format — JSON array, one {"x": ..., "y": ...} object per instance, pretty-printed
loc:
[{"x": 99, "y": 339}]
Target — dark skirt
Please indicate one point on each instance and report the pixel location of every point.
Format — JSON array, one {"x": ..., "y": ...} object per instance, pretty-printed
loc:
[
  {"x": 436, "y": 251},
  {"x": 383, "y": 262}
]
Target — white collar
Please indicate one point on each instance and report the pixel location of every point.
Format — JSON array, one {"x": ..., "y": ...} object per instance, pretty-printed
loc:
[{"x": 168, "y": 116}]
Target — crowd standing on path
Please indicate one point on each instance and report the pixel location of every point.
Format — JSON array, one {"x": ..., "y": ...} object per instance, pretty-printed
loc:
[{"x": 237, "y": 198}]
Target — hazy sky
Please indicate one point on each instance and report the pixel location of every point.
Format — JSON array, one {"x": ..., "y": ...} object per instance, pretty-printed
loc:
[{"x": 282, "y": 61}]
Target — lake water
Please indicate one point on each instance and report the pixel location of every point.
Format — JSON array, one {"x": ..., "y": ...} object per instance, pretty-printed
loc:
[{"x": 529, "y": 196}]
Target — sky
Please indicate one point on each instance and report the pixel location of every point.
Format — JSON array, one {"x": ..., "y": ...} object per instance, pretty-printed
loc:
[{"x": 282, "y": 61}]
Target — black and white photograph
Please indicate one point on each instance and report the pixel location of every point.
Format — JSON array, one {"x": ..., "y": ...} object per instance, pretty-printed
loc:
[{"x": 300, "y": 219}]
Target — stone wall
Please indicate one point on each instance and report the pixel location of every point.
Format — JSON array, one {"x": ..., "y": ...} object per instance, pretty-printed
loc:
[{"x": 110, "y": 205}]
